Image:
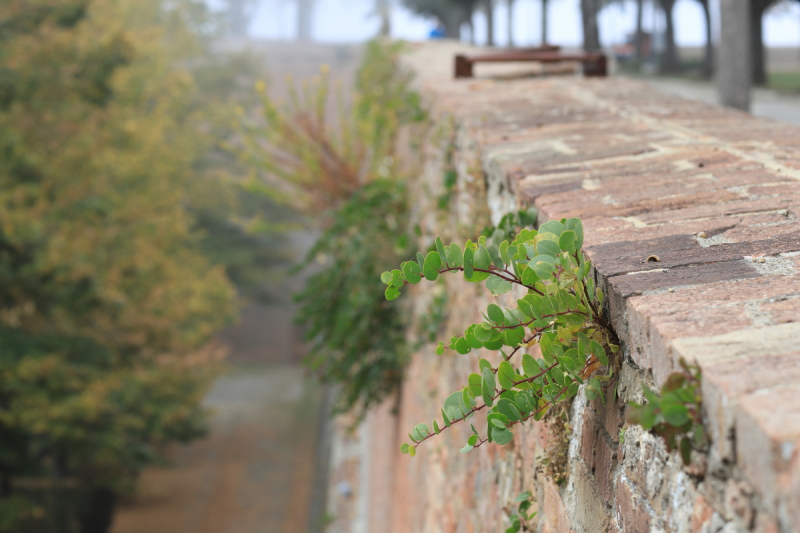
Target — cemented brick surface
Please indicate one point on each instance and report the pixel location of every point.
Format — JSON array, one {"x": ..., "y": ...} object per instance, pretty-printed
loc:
[{"x": 714, "y": 195}]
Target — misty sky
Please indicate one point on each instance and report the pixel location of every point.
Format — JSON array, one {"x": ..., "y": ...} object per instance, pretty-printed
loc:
[{"x": 351, "y": 20}]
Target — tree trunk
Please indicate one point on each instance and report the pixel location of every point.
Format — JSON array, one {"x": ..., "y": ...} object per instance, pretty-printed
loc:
[
  {"x": 239, "y": 17},
  {"x": 384, "y": 11},
  {"x": 510, "y": 23},
  {"x": 544, "y": 22},
  {"x": 489, "y": 8},
  {"x": 733, "y": 67},
  {"x": 639, "y": 37},
  {"x": 708, "y": 62},
  {"x": 758, "y": 61},
  {"x": 471, "y": 24},
  {"x": 591, "y": 32},
  {"x": 452, "y": 26},
  {"x": 304, "y": 14},
  {"x": 98, "y": 512},
  {"x": 670, "y": 61}
]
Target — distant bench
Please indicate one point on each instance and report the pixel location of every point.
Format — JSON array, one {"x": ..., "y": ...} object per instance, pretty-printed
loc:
[{"x": 594, "y": 64}]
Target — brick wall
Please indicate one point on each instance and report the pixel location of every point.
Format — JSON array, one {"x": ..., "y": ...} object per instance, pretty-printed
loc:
[{"x": 714, "y": 194}]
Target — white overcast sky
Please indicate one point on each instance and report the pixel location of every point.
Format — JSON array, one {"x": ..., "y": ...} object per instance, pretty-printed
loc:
[{"x": 351, "y": 20}]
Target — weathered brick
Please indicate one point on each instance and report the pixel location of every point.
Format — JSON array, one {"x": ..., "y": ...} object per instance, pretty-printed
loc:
[
  {"x": 724, "y": 383},
  {"x": 701, "y": 514},
  {"x": 554, "y": 511},
  {"x": 767, "y": 431},
  {"x": 631, "y": 508}
]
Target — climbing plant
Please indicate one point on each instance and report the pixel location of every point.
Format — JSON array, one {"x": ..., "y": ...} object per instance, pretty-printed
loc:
[
  {"x": 674, "y": 414},
  {"x": 553, "y": 341}
]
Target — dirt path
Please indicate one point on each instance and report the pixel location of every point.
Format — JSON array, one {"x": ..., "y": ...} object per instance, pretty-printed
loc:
[{"x": 255, "y": 472}]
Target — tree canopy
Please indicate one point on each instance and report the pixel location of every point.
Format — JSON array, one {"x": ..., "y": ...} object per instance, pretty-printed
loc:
[{"x": 107, "y": 300}]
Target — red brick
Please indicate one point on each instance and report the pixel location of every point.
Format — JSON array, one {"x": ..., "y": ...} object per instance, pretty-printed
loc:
[
  {"x": 631, "y": 509},
  {"x": 701, "y": 514},
  {"x": 767, "y": 432},
  {"x": 554, "y": 510},
  {"x": 724, "y": 383}
]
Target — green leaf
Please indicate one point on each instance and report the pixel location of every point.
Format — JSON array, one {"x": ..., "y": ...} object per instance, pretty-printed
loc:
[
  {"x": 504, "y": 252},
  {"x": 475, "y": 382},
  {"x": 599, "y": 295},
  {"x": 497, "y": 285},
  {"x": 686, "y": 450},
  {"x": 599, "y": 352},
  {"x": 549, "y": 248},
  {"x": 506, "y": 375},
  {"x": 482, "y": 258},
  {"x": 404, "y": 447},
  {"x": 496, "y": 314},
  {"x": 483, "y": 335},
  {"x": 523, "y": 402},
  {"x": 391, "y": 293},
  {"x": 544, "y": 266},
  {"x": 397, "y": 278},
  {"x": 386, "y": 278},
  {"x": 412, "y": 451},
  {"x": 466, "y": 449},
  {"x": 455, "y": 257},
  {"x": 529, "y": 277},
  {"x": 529, "y": 365},
  {"x": 473, "y": 439},
  {"x": 440, "y": 349},
  {"x": 483, "y": 364},
  {"x": 567, "y": 241},
  {"x": 466, "y": 397},
  {"x": 436, "y": 427},
  {"x": 675, "y": 414},
  {"x": 575, "y": 224},
  {"x": 440, "y": 249},
  {"x": 432, "y": 265},
  {"x": 502, "y": 436},
  {"x": 412, "y": 272},
  {"x": 470, "y": 336},
  {"x": 445, "y": 418},
  {"x": 509, "y": 409},
  {"x": 551, "y": 226},
  {"x": 512, "y": 337},
  {"x": 488, "y": 379},
  {"x": 462, "y": 346},
  {"x": 497, "y": 423}
]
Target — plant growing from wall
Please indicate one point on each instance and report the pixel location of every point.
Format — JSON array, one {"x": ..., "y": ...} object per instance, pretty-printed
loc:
[
  {"x": 520, "y": 517},
  {"x": 675, "y": 414},
  {"x": 559, "y": 311}
]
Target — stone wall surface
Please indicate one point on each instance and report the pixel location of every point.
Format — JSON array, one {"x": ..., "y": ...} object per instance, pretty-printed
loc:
[{"x": 714, "y": 194}]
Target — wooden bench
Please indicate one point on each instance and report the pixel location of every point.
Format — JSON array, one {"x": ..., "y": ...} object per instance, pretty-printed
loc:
[{"x": 594, "y": 64}]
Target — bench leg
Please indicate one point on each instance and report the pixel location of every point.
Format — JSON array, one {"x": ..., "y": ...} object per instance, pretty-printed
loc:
[
  {"x": 463, "y": 67},
  {"x": 596, "y": 68}
]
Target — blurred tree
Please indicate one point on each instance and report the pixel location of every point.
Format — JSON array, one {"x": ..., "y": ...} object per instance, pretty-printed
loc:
[
  {"x": 383, "y": 8},
  {"x": 591, "y": 30},
  {"x": 510, "y": 22},
  {"x": 305, "y": 13},
  {"x": 708, "y": 59},
  {"x": 106, "y": 300},
  {"x": 670, "y": 62},
  {"x": 544, "y": 22},
  {"x": 451, "y": 13},
  {"x": 639, "y": 35},
  {"x": 488, "y": 8},
  {"x": 240, "y": 13},
  {"x": 759, "y": 61}
]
